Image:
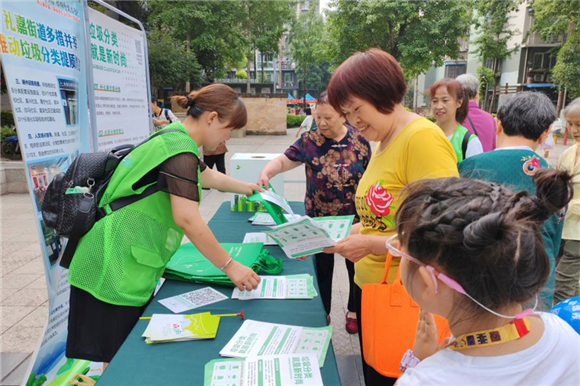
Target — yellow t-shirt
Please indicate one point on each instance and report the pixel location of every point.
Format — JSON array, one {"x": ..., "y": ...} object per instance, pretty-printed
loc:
[{"x": 418, "y": 152}]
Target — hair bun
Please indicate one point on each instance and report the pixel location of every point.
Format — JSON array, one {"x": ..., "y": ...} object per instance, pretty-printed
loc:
[{"x": 483, "y": 232}]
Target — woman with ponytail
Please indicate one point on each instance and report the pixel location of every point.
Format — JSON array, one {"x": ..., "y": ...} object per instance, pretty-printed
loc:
[
  {"x": 472, "y": 252},
  {"x": 119, "y": 261}
]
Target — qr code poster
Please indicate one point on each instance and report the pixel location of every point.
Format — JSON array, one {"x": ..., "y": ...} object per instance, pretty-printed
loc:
[{"x": 193, "y": 299}]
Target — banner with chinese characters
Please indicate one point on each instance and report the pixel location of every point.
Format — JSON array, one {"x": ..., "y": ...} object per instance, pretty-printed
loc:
[
  {"x": 120, "y": 81},
  {"x": 42, "y": 43}
]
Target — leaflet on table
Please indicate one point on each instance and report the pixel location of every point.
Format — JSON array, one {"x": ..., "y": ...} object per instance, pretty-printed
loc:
[
  {"x": 165, "y": 328},
  {"x": 260, "y": 338},
  {"x": 280, "y": 287},
  {"x": 308, "y": 236},
  {"x": 193, "y": 299},
  {"x": 266, "y": 219},
  {"x": 158, "y": 286},
  {"x": 258, "y": 237},
  {"x": 278, "y": 370}
]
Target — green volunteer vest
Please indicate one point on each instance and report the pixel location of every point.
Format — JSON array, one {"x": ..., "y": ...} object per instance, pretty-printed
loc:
[
  {"x": 121, "y": 258},
  {"x": 457, "y": 141}
]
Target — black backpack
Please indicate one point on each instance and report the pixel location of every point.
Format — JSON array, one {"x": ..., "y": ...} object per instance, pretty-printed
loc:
[{"x": 73, "y": 215}]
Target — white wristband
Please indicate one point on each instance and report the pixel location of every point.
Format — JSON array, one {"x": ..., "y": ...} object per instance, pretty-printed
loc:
[{"x": 409, "y": 361}]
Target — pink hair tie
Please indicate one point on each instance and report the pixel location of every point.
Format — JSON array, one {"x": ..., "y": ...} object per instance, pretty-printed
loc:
[{"x": 524, "y": 313}]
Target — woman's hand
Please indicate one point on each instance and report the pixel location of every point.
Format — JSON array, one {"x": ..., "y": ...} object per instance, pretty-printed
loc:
[
  {"x": 353, "y": 247},
  {"x": 251, "y": 188},
  {"x": 426, "y": 337},
  {"x": 263, "y": 179},
  {"x": 242, "y": 277}
]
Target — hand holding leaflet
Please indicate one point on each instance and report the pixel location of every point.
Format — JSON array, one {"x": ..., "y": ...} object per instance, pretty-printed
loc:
[
  {"x": 280, "y": 287},
  {"x": 307, "y": 236}
]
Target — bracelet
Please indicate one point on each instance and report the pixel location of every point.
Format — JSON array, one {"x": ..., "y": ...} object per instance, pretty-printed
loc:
[
  {"x": 226, "y": 264},
  {"x": 409, "y": 361}
]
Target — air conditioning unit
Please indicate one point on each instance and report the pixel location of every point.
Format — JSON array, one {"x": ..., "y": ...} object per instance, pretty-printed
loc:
[{"x": 538, "y": 77}]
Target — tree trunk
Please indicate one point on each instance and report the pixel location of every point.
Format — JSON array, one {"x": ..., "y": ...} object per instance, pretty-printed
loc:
[
  {"x": 560, "y": 101},
  {"x": 305, "y": 86},
  {"x": 493, "y": 93},
  {"x": 262, "y": 65},
  {"x": 188, "y": 49},
  {"x": 248, "y": 83},
  {"x": 255, "y": 53}
]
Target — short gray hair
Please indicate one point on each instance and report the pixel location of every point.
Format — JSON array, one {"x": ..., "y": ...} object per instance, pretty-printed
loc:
[
  {"x": 574, "y": 105},
  {"x": 469, "y": 83},
  {"x": 528, "y": 114}
]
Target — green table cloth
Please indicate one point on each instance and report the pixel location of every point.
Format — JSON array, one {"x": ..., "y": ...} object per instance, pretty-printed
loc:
[{"x": 182, "y": 363}]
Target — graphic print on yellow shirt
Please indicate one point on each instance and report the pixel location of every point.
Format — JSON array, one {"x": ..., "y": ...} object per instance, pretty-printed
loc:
[{"x": 376, "y": 208}]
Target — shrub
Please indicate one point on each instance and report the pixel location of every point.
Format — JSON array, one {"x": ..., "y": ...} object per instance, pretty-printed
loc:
[
  {"x": 7, "y": 118},
  {"x": 6, "y": 131},
  {"x": 294, "y": 120},
  {"x": 432, "y": 119}
]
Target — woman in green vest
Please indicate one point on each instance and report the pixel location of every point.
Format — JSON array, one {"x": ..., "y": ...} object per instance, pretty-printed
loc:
[
  {"x": 119, "y": 261},
  {"x": 449, "y": 106}
]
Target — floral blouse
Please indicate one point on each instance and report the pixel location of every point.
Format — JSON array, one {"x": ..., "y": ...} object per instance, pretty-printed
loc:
[{"x": 333, "y": 170}]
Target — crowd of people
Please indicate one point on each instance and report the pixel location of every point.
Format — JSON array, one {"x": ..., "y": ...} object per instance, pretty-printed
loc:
[{"x": 469, "y": 215}]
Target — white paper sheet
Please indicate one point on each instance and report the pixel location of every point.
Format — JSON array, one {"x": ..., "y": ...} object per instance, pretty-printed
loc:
[
  {"x": 259, "y": 237},
  {"x": 280, "y": 287},
  {"x": 260, "y": 338},
  {"x": 275, "y": 198},
  {"x": 279, "y": 370}
]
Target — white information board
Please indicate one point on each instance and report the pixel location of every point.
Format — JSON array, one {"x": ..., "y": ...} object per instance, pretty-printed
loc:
[{"x": 120, "y": 82}]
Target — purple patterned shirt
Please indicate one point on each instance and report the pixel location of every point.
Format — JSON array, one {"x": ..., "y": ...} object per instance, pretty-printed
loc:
[{"x": 333, "y": 170}]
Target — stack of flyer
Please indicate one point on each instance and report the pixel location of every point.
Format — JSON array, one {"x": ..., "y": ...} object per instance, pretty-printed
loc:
[
  {"x": 271, "y": 355},
  {"x": 257, "y": 339},
  {"x": 280, "y": 287},
  {"x": 279, "y": 370},
  {"x": 178, "y": 328}
]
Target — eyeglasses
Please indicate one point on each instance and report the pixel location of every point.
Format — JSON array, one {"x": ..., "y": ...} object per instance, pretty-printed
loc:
[
  {"x": 434, "y": 273},
  {"x": 449, "y": 282}
]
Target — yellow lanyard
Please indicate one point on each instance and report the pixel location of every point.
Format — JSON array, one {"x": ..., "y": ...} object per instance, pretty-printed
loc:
[{"x": 512, "y": 331}]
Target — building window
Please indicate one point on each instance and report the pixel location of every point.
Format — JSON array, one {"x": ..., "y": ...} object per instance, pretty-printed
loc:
[
  {"x": 454, "y": 70},
  {"x": 538, "y": 60}
]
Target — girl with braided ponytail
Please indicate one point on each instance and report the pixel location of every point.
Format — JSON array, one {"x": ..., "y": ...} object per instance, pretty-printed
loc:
[{"x": 472, "y": 252}]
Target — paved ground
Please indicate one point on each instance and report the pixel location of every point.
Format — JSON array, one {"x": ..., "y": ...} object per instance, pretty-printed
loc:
[{"x": 23, "y": 296}]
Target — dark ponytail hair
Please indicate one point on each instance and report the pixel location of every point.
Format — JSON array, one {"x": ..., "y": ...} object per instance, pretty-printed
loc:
[
  {"x": 482, "y": 234},
  {"x": 219, "y": 98}
]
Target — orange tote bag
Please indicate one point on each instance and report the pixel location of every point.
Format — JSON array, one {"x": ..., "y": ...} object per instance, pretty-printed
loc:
[{"x": 389, "y": 322}]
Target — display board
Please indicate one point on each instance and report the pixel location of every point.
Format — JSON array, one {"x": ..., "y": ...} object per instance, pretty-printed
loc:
[
  {"x": 120, "y": 82},
  {"x": 42, "y": 47}
]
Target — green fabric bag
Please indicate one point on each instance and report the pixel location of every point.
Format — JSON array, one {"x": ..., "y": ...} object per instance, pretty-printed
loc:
[{"x": 188, "y": 264}]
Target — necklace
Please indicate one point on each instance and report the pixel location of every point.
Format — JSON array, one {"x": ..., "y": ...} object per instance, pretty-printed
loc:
[{"x": 512, "y": 331}]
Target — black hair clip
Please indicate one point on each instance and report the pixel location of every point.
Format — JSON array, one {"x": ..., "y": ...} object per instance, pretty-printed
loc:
[{"x": 190, "y": 102}]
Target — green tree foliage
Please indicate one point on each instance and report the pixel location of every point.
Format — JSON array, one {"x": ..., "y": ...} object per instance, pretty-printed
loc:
[
  {"x": 211, "y": 29},
  {"x": 305, "y": 45},
  {"x": 494, "y": 32},
  {"x": 263, "y": 25},
  {"x": 552, "y": 18},
  {"x": 170, "y": 64},
  {"x": 417, "y": 33}
]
